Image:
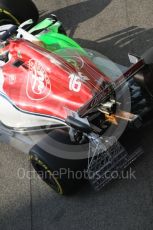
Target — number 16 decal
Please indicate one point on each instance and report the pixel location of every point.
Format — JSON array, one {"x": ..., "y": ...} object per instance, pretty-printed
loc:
[{"x": 74, "y": 84}]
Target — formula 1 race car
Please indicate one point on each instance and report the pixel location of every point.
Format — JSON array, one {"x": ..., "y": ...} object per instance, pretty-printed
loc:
[{"x": 74, "y": 111}]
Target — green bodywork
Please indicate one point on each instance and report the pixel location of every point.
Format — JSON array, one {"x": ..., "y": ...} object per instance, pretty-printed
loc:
[{"x": 49, "y": 32}]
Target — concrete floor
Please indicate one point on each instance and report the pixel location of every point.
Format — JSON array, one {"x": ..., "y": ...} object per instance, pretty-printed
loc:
[{"x": 112, "y": 27}]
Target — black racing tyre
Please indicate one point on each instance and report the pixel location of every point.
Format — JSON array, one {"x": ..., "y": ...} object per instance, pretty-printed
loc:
[
  {"x": 16, "y": 12},
  {"x": 48, "y": 165},
  {"x": 47, "y": 174}
]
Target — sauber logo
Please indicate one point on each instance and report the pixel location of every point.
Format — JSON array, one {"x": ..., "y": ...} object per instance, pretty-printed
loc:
[{"x": 38, "y": 85}]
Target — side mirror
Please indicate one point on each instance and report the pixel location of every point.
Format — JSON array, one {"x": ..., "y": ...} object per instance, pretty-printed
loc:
[
  {"x": 133, "y": 58},
  {"x": 26, "y": 23}
]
